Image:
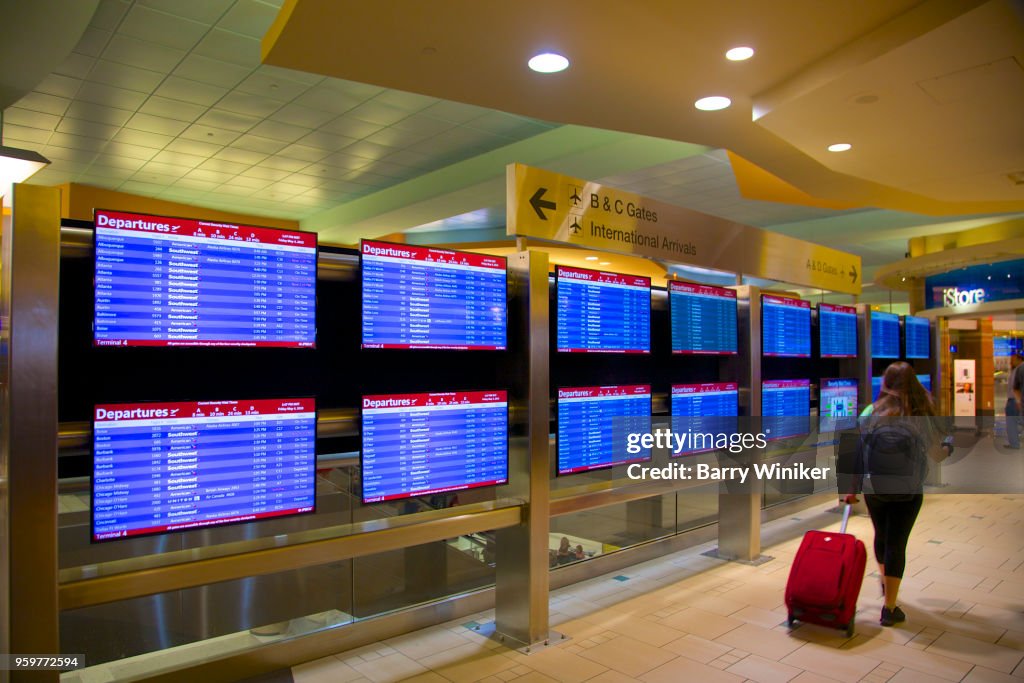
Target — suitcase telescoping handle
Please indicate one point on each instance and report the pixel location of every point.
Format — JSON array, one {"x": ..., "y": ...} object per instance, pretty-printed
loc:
[{"x": 846, "y": 518}]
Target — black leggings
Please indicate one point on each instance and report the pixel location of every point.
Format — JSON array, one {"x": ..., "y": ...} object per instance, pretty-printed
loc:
[{"x": 893, "y": 521}]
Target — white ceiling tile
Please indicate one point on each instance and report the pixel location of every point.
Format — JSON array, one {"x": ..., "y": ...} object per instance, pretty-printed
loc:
[
  {"x": 350, "y": 127},
  {"x": 229, "y": 47},
  {"x": 173, "y": 170},
  {"x": 172, "y": 109},
  {"x": 396, "y": 137},
  {"x": 48, "y": 104},
  {"x": 156, "y": 124},
  {"x": 142, "y": 138},
  {"x": 115, "y": 161},
  {"x": 368, "y": 177},
  {"x": 261, "y": 172},
  {"x": 129, "y": 151},
  {"x": 209, "y": 134},
  {"x": 344, "y": 161},
  {"x": 233, "y": 189},
  {"x": 306, "y": 180},
  {"x": 248, "y": 17},
  {"x": 177, "y": 88},
  {"x": 277, "y": 72},
  {"x": 212, "y": 176},
  {"x": 211, "y": 71},
  {"x": 284, "y": 164},
  {"x": 223, "y": 166},
  {"x": 412, "y": 159},
  {"x": 195, "y": 184},
  {"x": 368, "y": 150},
  {"x": 456, "y": 112},
  {"x": 62, "y": 86},
  {"x": 145, "y": 55},
  {"x": 162, "y": 28},
  {"x": 109, "y": 14},
  {"x": 145, "y": 189},
  {"x": 90, "y": 129},
  {"x": 111, "y": 96},
  {"x": 186, "y": 153},
  {"x": 87, "y": 111},
  {"x": 272, "y": 84},
  {"x": 161, "y": 179},
  {"x": 249, "y": 182},
  {"x": 246, "y": 103},
  {"x": 113, "y": 173},
  {"x": 240, "y": 156},
  {"x": 97, "y": 181},
  {"x": 93, "y": 41},
  {"x": 377, "y": 113},
  {"x": 55, "y": 154},
  {"x": 500, "y": 123},
  {"x": 276, "y": 130},
  {"x": 76, "y": 65},
  {"x": 410, "y": 102},
  {"x": 391, "y": 170},
  {"x": 36, "y": 136},
  {"x": 326, "y": 141},
  {"x": 204, "y": 11},
  {"x": 125, "y": 76},
  {"x": 325, "y": 98},
  {"x": 422, "y": 123},
  {"x": 286, "y": 189},
  {"x": 302, "y": 116},
  {"x": 228, "y": 120},
  {"x": 303, "y": 153},
  {"x": 30, "y": 119},
  {"x": 255, "y": 143}
]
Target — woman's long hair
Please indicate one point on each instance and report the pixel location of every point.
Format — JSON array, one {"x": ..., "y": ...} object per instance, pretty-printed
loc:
[{"x": 902, "y": 393}]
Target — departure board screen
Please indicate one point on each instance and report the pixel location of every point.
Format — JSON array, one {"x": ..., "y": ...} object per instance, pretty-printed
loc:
[
  {"x": 837, "y": 404},
  {"x": 885, "y": 335},
  {"x": 590, "y": 420},
  {"x": 426, "y": 298},
  {"x": 161, "y": 467},
  {"x": 785, "y": 407},
  {"x": 163, "y": 281},
  {"x": 421, "y": 444},
  {"x": 917, "y": 332},
  {"x": 926, "y": 381},
  {"x": 710, "y": 408},
  {"x": 837, "y": 331},
  {"x": 703, "y": 318},
  {"x": 876, "y": 384},
  {"x": 786, "y": 326},
  {"x": 600, "y": 312}
]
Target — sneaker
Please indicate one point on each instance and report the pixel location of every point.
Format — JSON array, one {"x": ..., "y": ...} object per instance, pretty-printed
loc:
[{"x": 892, "y": 616}]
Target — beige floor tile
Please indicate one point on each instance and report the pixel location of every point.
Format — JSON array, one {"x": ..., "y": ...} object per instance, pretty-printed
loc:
[
  {"x": 760, "y": 617},
  {"x": 950, "y": 577},
  {"x": 1011, "y": 620},
  {"x": 536, "y": 677},
  {"x": 628, "y": 655},
  {"x": 647, "y": 631},
  {"x": 697, "y": 648},
  {"x": 809, "y": 677},
  {"x": 612, "y": 677},
  {"x": 701, "y": 623},
  {"x": 931, "y": 663},
  {"x": 559, "y": 664},
  {"x": 427, "y": 677},
  {"x": 1014, "y": 639},
  {"x": 977, "y": 652},
  {"x": 682, "y": 669},
  {"x": 716, "y": 604},
  {"x": 980, "y": 674},
  {"x": 812, "y": 633},
  {"x": 764, "y": 670},
  {"x": 910, "y": 676},
  {"x": 838, "y": 664},
  {"x": 468, "y": 663},
  {"x": 393, "y": 667},
  {"x": 918, "y": 615},
  {"x": 759, "y": 641},
  {"x": 326, "y": 670},
  {"x": 427, "y": 642}
]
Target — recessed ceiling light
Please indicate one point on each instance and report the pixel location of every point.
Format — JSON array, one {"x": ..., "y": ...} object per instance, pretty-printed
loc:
[
  {"x": 738, "y": 54},
  {"x": 548, "y": 63},
  {"x": 839, "y": 147},
  {"x": 713, "y": 103},
  {"x": 605, "y": 263},
  {"x": 590, "y": 258}
]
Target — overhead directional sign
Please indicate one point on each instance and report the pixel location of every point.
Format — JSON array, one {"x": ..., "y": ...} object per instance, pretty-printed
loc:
[{"x": 550, "y": 206}]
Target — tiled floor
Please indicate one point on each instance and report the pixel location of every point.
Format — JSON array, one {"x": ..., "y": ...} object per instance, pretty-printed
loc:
[{"x": 690, "y": 618}]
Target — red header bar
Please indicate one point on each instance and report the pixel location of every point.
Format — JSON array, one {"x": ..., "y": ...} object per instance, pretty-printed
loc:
[
  {"x": 701, "y": 290},
  {"x": 189, "y": 227},
  {"x": 196, "y": 524},
  {"x": 431, "y": 255},
  {"x": 599, "y": 277},
  {"x": 784, "y": 301},
  {"x": 598, "y": 392},
  {"x": 203, "y": 343},
  {"x": 836, "y": 308},
  {"x": 449, "y": 398},
  {"x": 192, "y": 410},
  {"x": 785, "y": 384},
  {"x": 707, "y": 388}
]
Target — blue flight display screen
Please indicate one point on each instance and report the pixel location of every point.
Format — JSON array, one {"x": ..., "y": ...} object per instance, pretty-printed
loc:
[
  {"x": 837, "y": 404},
  {"x": 926, "y": 381},
  {"x": 876, "y": 384},
  {"x": 837, "y": 331},
  {"x": 786, "y": 326},
  {"x": 590, "y": 419},
  {"x": 709, "y": 408},
  {"x": 918, "y": 336},
  {"x": 785, "y": 407},
  {"x": 703, "y": 318},
  {"x": 164, "y": 281},
  {"x": 885, "y": 335},
  {"x": 421, "y": 444},
  {"x": 600, "y": 312},
  {"x": 161, "y": 467},
  {"x": 427, "y": 298}
]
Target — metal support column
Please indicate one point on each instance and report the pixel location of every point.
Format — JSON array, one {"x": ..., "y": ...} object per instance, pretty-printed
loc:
[
  {"x": 28, "y": 440},
  {"x": 521, "y": 577}
]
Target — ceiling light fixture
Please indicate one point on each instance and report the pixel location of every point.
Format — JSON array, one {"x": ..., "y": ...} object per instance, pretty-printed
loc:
[
  {"x": 713, "y": 103},
  {"x": 548, "y": 63},
  {"x": 738, "y": 54},
  {"x": 17, "y": 165},
  {"x": 590, "y": 258},
  {"x": 839, "y": 147},
  {"x": 605, "y": 263}
]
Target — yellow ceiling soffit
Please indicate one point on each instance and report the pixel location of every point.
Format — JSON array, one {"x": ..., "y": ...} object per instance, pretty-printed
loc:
[
  {"x": 993, "y": 232},
  {"x": 756, "y": 183}
]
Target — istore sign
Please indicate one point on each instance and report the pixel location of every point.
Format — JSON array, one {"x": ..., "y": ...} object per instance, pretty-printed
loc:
[{"x": 954, "y": 296}]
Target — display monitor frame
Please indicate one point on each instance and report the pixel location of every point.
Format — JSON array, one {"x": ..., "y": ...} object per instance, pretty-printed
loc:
[
  {"x": 405, "y": 399},
  {"x": 306, "y": 403},
  {"x": 835, "y": 309},
  {"x": 787, "y": 301},
  {"x": 428, "y": 253},
  {"x": 918, "y": 322},
  {"x": 645, "y": 454},
  {"x": 888, "y": 319},
  {"x": 678, "y": 289},
  {"x": 640, "y": 282},
  {"x": 162, "y": 226}
]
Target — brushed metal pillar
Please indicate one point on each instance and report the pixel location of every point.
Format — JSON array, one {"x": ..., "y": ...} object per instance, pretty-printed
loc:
[
  {"x": 864, "y": 353},
  {"x": 5, "y": 316},
  {"x": 31, "y": 271},
  {"x": 739, "y": 505},
  {"x": 521, "y": 576}
]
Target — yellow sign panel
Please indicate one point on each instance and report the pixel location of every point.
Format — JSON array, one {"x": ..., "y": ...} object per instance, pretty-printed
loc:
[{"x": 550, "y": 206}]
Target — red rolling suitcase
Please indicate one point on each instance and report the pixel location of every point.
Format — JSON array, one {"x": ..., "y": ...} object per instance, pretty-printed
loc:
[{"x": 826, "y": 577}]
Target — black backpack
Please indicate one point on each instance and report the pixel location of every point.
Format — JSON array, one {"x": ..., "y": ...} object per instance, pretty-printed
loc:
[{"x": 894, "y": 458}]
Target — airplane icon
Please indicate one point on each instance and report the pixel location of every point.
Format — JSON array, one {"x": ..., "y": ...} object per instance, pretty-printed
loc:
[
  {"x": 575, "y": 227},
  {"x": 575, "y": 197}
]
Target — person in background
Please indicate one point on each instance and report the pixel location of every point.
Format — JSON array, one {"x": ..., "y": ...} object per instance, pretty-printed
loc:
[
  {"x": 1014, "y": 385},
  {"x": 910, "y": 443}
]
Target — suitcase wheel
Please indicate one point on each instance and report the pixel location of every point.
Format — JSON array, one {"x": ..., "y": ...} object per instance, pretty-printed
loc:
[
  {"x": 849, "y": 629},
  {"x": 790, "y": 619}
]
